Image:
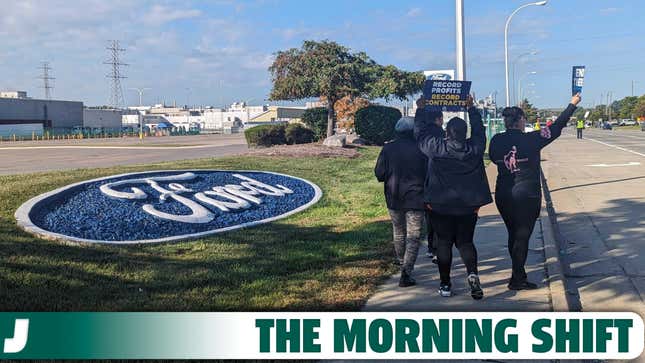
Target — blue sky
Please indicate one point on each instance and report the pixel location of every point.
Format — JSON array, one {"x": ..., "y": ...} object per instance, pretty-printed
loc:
[{"x": 218, "y": 51}]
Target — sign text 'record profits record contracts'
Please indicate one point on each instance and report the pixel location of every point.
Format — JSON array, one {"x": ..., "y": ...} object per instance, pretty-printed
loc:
[{"x": 446, "y": 95}]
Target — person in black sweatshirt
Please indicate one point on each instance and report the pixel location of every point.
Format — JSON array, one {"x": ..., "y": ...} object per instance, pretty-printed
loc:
[
  {"x": 456, "y": 187},
  {"x": 401, "y": 166},
  {"x": 436, "y": 117},
  {"x": 518, "y": 195}
]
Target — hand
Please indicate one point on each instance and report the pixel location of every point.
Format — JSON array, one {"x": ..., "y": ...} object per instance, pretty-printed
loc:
[
  {"x": 470, "y": 101},
  {"x": 575, "y": 100}
]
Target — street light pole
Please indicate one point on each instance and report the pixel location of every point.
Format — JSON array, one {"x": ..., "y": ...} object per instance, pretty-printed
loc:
[
  {"x": 140, "y": 90},
  {"x": 508, "y": 22},
  {"x": 514, "y": 91},
  {"x": 519, "y": 87},
  {"x": 460, "y": 39}
]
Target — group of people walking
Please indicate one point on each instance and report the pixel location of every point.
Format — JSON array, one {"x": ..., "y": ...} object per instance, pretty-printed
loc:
[{"x": 437, "y": 177}]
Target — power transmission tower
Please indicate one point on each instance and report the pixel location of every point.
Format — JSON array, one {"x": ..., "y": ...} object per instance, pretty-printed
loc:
[
  {"x": 47, "y": 78},
  {"x": 115, "y": 76}
]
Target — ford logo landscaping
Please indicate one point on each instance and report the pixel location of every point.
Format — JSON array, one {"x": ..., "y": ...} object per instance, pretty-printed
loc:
[{"x": 163, "y": 206}]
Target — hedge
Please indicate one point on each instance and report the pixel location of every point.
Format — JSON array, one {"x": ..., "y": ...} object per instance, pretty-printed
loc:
[
  {"x": 316, "y": 120},
  {"x": 298, "y": 134},
  {"x": 265, "y": 135},
  {"x": 376, "y": 123}
]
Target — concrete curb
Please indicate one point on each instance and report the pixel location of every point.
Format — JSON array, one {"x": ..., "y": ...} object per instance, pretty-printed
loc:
[
  {"x": 553, "y": 266},
  {"x": 561, "y": 298}
]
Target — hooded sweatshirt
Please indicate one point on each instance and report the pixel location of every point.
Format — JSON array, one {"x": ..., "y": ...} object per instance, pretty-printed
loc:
[
  {"x": 401, "y": 166},
  {"x": 456, "y": 182}
]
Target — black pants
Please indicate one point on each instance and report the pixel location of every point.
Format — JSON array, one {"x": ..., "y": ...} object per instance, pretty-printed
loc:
[
  {"x": 520, "y": 210},
  {"x": 457, "y": 230},
  {"x": 579, "y": 133},
  {"x": 432, "y": 236}
]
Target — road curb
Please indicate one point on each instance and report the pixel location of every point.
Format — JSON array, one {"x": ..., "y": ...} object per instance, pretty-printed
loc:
[
  {"x": 561, "y": 297},
  {"x": 553, "y": 266}
]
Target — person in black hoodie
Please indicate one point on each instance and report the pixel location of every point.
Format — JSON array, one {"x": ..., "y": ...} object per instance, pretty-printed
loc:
[
  {"x": 435, "y": 117},
  {"x": 517, "y": 194},
  {"x": 456, "y": 187},
  {"x": 402, "y": 167}
]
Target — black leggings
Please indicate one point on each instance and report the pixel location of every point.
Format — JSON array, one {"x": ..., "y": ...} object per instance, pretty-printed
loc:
[
  {"x": 519, "y": 211},
  {"x": 432, "y": 238},
  {"x": 458, "y": 230}
]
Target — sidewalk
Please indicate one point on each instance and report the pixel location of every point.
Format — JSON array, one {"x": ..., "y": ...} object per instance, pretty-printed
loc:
[
  {"x": 494, "y": 271},
  {"x": 600, "y": 202}
]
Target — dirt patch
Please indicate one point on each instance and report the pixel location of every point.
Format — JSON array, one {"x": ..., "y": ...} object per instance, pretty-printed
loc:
[{"x": 306, "y": 150}]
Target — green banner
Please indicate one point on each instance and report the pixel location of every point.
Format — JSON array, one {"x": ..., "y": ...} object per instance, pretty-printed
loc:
[{"x": 387, "y": 335}]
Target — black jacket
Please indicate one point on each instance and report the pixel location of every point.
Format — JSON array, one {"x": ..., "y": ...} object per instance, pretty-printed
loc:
[
  {"x": 402, "y": 167},
  {"x": 456, "y": 182},
  {"x": 517, "y": 156}
]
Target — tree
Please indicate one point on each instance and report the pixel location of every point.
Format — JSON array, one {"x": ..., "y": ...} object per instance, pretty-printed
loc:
[
  {"x": 529, "y": 110},
  {"x": 346, "y": 108},
  {"x": 626, "y": 106},
  {"x": 580, "y": 113},
  {"x": 330, "y": 70},
  {"x": 598, "y": 113},
  {"x": 639, "y": 109}
]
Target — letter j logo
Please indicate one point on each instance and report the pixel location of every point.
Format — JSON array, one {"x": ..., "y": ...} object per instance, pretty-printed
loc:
[{"x": 19, "y": 340}]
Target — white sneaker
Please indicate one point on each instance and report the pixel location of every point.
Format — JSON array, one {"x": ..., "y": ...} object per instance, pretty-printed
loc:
[{"x": 444, "y": 290}]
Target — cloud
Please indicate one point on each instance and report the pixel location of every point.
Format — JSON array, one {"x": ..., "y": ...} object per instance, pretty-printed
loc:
[
  {"x": 610, "y": 10},
  {"x": 160, "y": 15},
  {"x": 414, "y": 12}
]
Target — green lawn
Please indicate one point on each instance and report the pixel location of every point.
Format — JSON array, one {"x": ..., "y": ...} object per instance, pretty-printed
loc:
[{"x": 329, "y": 257}]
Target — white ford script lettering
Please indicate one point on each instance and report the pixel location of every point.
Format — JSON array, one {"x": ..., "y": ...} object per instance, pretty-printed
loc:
[{"x": 230, "y": 197}]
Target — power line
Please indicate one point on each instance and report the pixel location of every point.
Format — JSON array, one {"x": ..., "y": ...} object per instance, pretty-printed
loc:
[
  {"x": 47, "y": 78},
  {"x": 115, "y": 76}
]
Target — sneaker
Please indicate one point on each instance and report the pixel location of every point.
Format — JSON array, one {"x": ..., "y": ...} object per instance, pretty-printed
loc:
[
  {"x": 429, "y": 255},
  {"x": 475, "y": 288},
  {"x": 406, "y": 280},
  {"x": 444, "y": 290},
  {"x": 435, "y": 260},
  {"x": 524, "y": 285}
]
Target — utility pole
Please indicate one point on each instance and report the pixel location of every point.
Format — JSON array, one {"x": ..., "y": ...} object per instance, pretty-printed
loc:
[
  {"x": 115, "y": 76},
  {"x": 140, "y": 91},
  {"x": 45, "y": 76},
  {"x": 609, "y": 94}
]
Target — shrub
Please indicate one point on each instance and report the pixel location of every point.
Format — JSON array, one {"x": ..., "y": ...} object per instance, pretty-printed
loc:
[
  {"x": 316, "y": 120},
  {"x": 265, "y": 135},
  {"x": 298, "y": 134},
  {"x": 376, "y": 123}
]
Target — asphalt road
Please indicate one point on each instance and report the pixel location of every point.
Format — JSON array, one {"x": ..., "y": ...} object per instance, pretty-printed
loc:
[
  {"x": 598, "y": 189},
  {"x": 29, "y": 157},
  {"x": 631, "y": 141}
]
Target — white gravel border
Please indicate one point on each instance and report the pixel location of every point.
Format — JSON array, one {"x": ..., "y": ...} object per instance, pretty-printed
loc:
[{"x": 24, "y": 221}]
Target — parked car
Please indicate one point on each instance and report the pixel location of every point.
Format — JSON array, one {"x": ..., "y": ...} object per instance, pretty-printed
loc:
[
  {"x": 627, "y": 122},
  {"x": 606, "y": 126},
  {"x": 529, "y": 128}
]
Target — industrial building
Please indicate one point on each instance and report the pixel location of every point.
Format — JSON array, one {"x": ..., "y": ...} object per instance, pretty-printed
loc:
[
  {"x": 23, "y": 116},
  {"x": 102, "y": 118},
  {"x": 279, "y": 114}
]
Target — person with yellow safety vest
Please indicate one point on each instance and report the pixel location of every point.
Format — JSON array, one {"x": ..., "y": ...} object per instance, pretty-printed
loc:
[
  {"x": 537, "y": 125},
  {"x": 580, "y": 125}
]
